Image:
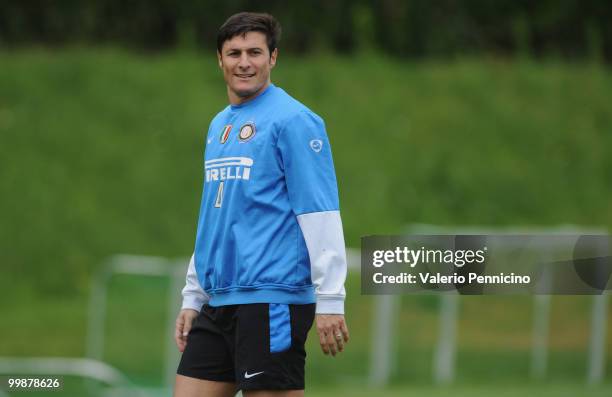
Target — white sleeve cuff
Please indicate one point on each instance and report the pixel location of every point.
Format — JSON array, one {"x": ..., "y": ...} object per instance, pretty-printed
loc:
[
  {"x": 194, "y": 302},
  {"x": 330, "y": 306}
]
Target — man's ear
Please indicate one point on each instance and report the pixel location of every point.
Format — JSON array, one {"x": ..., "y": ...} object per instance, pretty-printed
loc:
[
  {"x": 220, "y": 61},
  {"x": 273, "y": 57}
]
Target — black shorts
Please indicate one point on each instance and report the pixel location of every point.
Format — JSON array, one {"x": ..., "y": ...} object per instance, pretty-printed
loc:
[{"x": 256, "y": 346}]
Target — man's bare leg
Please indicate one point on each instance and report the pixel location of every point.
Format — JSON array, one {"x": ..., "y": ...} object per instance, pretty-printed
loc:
[
  {"x": 273, "y": 393},
  {"x": 185, "y": 386}
]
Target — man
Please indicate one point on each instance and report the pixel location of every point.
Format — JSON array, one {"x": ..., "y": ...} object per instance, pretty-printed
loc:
[{"x": 269, "y": 255}]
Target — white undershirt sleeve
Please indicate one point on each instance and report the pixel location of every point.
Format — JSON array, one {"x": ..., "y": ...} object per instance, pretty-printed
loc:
[
  {"x": 325, "y": 243},
  {"x": 193, "y": 294}
]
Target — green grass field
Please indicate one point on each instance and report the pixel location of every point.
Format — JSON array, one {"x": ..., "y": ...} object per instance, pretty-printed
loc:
[
  {"x": 102, "y": 153},
  {"x": 557, "y": 390},
  {"x": 102, "y": 149},
  {"x": 75, "y": 387}
]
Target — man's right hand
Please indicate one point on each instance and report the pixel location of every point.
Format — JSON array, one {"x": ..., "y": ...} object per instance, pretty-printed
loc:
[{"x": 183, "y": 326}]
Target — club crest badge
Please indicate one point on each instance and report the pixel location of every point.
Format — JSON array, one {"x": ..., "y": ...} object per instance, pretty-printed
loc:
[
  {"x": 225, "y": 133},
  {"x": 316, "y": 145},
  {"x": 247, "y": 132}
]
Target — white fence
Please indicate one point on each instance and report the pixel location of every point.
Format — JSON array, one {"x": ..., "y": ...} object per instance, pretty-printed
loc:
[{"x": 444, "y": 360}]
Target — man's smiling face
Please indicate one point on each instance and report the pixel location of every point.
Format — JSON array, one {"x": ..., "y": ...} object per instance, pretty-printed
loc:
[{"x": 246, "y": 63}]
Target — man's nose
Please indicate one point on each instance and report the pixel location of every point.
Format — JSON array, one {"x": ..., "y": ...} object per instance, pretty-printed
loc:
[{"x": 244, "y": 61}]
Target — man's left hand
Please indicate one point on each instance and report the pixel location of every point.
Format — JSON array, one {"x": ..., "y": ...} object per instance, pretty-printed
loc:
[{"x": 333, "y": 332}]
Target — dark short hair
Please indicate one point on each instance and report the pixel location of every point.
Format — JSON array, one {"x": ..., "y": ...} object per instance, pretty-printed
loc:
[{"x": 244, "y": 22}]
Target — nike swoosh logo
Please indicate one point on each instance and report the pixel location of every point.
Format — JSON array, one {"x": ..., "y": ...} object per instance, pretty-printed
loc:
[{"x": 248, "y": 375}]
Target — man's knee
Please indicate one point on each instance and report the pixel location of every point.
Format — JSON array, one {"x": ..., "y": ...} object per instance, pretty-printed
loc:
[
  {"x": 185, "y": 386},
  {"x": 273, "y": 393}
]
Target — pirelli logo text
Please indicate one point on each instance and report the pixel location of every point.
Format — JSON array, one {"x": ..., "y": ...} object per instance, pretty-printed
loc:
[{"x": 227, "y": 168}]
